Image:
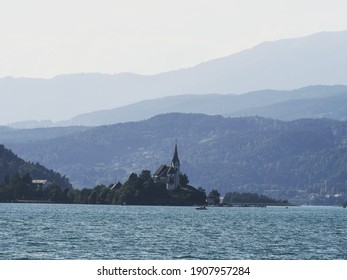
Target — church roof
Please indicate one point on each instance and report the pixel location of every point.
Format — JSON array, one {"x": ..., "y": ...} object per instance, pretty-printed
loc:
[{"x": 161, "y": 171}]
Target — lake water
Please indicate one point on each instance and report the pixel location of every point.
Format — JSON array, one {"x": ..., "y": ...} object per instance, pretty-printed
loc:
[{"x": 53, "y": 231}]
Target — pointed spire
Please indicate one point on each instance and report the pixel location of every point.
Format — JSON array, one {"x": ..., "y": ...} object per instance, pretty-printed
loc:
[{"x": 175, "y": 159}]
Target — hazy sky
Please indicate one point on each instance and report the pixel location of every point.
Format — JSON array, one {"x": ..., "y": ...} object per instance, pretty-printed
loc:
[{"x": 43, "y": 38}]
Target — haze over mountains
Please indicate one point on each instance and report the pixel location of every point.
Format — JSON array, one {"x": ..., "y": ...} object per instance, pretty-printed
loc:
[
  {"x": 309, "y": 102},
  {"x": 319, "y": 59}
]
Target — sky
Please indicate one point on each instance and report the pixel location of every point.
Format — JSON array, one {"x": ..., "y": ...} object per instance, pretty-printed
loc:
[{"x": 45, "y": 38}]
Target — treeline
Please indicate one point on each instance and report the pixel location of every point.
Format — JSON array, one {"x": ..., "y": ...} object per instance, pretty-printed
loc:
[
  {"x": 137, "y": 190},
  {"x": 250, "y": 198},
  {"x": 20, "y": 188}
]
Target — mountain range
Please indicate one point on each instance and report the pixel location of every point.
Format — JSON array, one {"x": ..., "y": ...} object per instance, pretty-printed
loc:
[
  {"x": 318, "y": 59},
  {"x": 308, "y": 102}
]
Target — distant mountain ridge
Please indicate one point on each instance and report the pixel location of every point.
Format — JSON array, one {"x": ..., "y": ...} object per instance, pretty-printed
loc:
[
  {"x": 308, "y": 102},
  {"x": 334, "y": 107},
  {"x": 281, "y": 65}
]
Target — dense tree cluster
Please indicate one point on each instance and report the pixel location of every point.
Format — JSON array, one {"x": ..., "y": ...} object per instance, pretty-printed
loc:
[
  {"x": 213, "y": 197},
  {"x": 251, "y": 198},
  {"x": 137, "y": 190},
  {"x": 20, "y": 188}
]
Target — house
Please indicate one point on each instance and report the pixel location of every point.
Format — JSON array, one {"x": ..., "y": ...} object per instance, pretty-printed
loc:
[
  {"x": 170, "y": 175},
  {"x": 42, "y": 183}
]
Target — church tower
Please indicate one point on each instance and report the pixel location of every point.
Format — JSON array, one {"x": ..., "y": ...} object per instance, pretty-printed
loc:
[{"x": 170, "y": 175}]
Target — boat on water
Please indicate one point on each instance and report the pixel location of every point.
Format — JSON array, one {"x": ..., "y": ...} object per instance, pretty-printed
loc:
[{"x": 201, "y": 208}]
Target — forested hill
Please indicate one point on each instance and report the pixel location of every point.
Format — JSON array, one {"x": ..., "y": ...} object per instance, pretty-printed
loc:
[
  {"x": 11, "y": 164},
  {"x": 301, "y": 160}
]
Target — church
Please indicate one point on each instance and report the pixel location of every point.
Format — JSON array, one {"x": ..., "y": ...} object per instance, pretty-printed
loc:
[{"x": 170, "y": 175}]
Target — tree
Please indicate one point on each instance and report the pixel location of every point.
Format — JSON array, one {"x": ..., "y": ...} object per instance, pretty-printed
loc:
[
  {"x": 21, "y": 187},
  {"x": 201, "y": 189},
  {"x": 145, "y": 175},
  {"x": 27, "y": 178},
  {"x": 55, "y": 194},
  {"x": 184, "y": 181},
  {"x": 213, "y": 197}
]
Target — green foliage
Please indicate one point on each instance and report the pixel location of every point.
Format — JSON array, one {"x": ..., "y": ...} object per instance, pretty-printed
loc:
[
  {"x": 20, "y": 188},
  {"x": 137, "y": 190},
  {"x": 213, "y": 197},
  {"x": 187, "y": 196},
  {"x": 184, "y": 181},
  {"x": 142, "y": 190}
]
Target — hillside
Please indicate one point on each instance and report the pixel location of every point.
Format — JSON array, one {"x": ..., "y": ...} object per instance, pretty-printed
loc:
[
  {"x": 282, "y": 65},
  {"x": 302, "y": 160},
  {"x": 10, "y": 164}
]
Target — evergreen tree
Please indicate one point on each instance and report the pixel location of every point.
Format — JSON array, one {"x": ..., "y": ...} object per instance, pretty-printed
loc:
[{"x": 213, "y": 197}]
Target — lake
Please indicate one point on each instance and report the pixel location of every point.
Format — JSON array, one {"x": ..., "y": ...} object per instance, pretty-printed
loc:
[{"x": 60, "y": 231}]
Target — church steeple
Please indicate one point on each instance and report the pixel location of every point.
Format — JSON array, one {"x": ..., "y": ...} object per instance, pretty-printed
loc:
[
  {"x": 175, "y": 161},
  {"x": 174, "y": 171}
]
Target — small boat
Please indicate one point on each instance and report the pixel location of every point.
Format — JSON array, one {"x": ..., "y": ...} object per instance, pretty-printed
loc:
[{"x": 201, "y": 208}]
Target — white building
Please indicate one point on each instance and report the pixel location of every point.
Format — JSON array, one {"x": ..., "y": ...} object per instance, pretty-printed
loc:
[{"x": 42, "y": 183}]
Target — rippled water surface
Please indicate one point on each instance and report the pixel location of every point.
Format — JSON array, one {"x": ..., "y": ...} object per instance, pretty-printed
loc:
[{"x": 52, "y": 231}]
